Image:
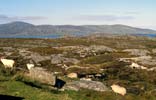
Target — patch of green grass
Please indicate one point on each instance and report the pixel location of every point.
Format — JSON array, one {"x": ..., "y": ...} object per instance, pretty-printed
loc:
[
  {"x": 46, "y": 50},
  {"x": 16, "y": 88},
  {"x": 97, "y": 59}
]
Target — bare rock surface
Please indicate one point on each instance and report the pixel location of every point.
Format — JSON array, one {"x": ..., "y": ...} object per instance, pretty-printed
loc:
[
  {"x": 98, "y": 48},
  {"x": 59, "y": 58},
  {"x": 144, "y": 60},
  {"x": 84, "y": 84},
  {"x": 37, "y": 57}
]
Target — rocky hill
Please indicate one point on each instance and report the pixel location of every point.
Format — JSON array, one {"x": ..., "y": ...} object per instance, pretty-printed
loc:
[{"x": 26, "y": 29}]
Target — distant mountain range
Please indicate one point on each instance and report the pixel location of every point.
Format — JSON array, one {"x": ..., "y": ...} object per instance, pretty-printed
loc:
[{"x": 26, "y": 29}]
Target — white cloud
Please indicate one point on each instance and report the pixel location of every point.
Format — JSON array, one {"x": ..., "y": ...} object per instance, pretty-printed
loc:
[
  {"x": 20, "y": 18},
  {"x": 105, "y": 17}
]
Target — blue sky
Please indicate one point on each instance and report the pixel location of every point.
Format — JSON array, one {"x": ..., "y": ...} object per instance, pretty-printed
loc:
[{"x": 140, "y": 13}]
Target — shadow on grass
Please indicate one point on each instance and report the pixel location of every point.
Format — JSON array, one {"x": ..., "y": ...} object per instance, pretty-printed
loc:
[
  {"x": 33, "y": 85},
  {"x": 6, "y": 97}
]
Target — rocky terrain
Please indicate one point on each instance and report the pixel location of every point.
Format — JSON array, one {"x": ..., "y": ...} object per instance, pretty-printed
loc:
[{"x": 81, "y": 68}]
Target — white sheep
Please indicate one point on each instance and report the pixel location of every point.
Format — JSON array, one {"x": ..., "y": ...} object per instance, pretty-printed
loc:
[
  {"x": 118, "y": 89},
  {"x": 29, "y": 66},
  {"x": 8, "y": 63}
]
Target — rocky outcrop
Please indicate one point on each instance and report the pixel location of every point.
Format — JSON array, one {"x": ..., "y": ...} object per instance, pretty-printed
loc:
[
  {"x": 84, "y": 51},
  {"x": 100, "y": 48},
  {"x": 93, "y": 50},
  {"x": 59, "y": 59},
  {"x": 137, "y": 52},
  {"x": 144, "y": 60},
  {"x": 37, "y": 57},
  {"x": 84, "y": 84}
]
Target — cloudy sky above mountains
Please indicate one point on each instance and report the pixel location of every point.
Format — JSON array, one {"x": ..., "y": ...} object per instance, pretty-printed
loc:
[{"x": 140, "y": 13}]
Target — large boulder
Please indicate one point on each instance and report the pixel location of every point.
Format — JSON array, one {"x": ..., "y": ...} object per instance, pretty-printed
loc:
[
  {"x": 42, "y": 75},
  {"x": 84, "y": 84}
]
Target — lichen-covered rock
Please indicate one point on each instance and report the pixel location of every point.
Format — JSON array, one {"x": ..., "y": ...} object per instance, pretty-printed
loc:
[
  {"x": 83, "y": 84},
  {"x": 42, "y": 75}
]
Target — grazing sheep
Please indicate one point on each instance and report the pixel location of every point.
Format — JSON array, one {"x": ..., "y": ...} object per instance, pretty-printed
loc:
[
  {"x": 29, "y": 66},
  {"x": 8, "y": 63},
  {"x": 118, "y": 89}
]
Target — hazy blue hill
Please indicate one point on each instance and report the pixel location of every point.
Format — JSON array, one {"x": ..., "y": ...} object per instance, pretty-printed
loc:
[{"x": 24, "y": 29}]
